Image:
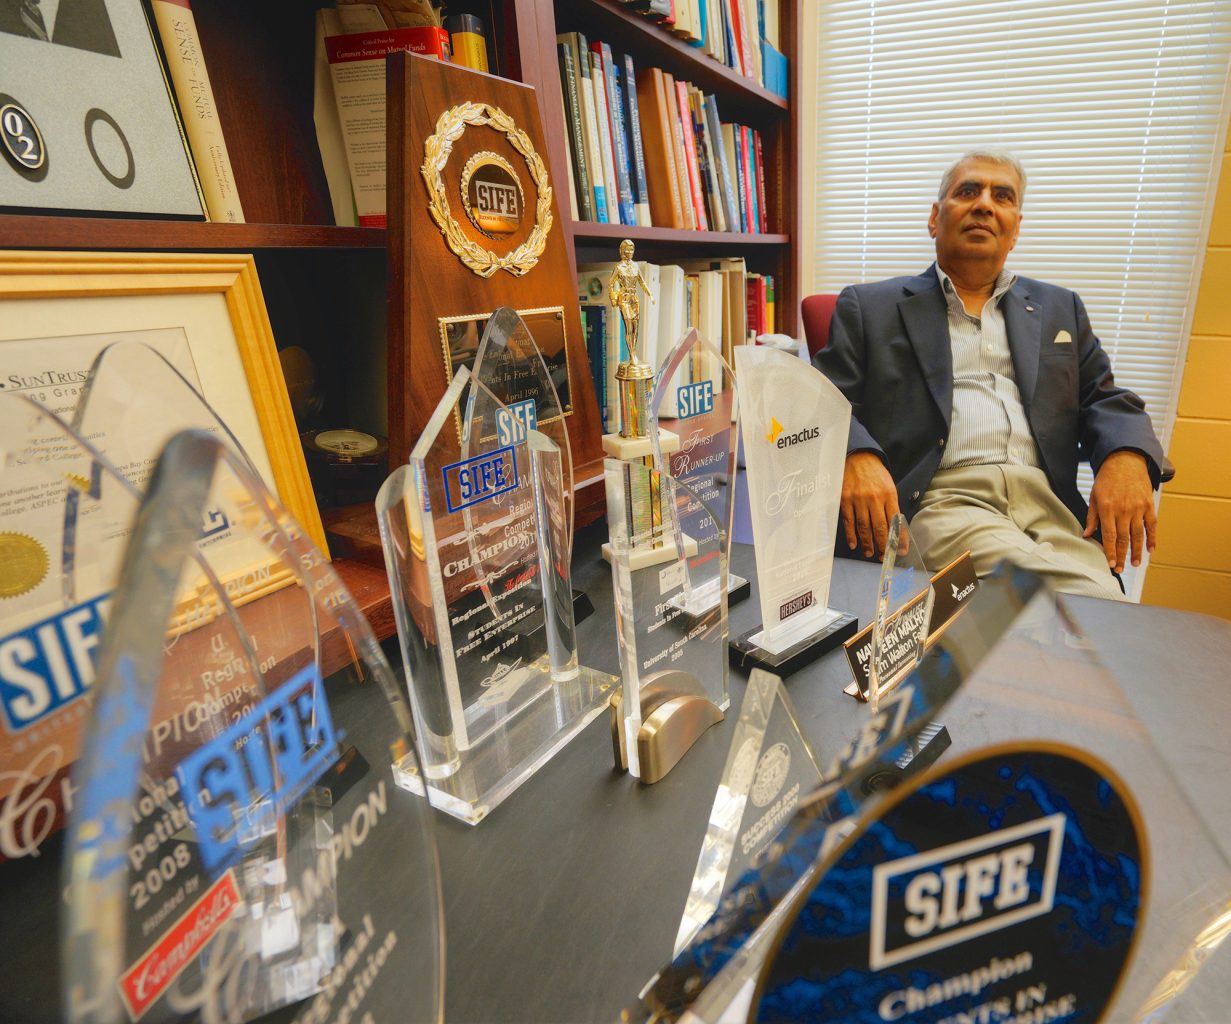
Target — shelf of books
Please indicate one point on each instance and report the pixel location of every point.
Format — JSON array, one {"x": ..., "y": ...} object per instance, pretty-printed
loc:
[{"x": 667, "y": 121}]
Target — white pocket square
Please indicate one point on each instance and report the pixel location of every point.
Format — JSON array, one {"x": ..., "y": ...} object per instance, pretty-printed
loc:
[{"x": 1063, "y": 338}]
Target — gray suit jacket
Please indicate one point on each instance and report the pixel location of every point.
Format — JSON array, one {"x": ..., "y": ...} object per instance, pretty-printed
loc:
[{"x": 889, "y": 353}]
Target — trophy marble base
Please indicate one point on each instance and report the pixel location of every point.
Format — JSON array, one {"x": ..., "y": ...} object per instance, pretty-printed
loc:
[
  {"x": 628, "y": 448},
  {"x": 932, "y": 741},
  {"x": 750, "y": 650},
  {"x": 642, "y": 557}
]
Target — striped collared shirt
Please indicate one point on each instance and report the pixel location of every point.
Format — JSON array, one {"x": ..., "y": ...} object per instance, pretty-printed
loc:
[{"x": 988, "y": 426}]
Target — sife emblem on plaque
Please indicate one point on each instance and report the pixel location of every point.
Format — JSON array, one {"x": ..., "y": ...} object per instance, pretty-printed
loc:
[
  {"x": 492, "y": 195},
  {"x": 490, "y": 190}
]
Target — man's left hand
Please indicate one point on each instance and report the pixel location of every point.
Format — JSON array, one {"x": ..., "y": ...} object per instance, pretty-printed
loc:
[{"x": 1122, "y": 503}]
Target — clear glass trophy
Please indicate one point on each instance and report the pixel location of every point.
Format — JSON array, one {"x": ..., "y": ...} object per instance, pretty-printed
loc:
[
  {"x": 673, "y": 663},
  {"x": 904, "y": 600},
  {"x": 770, "y": 767},
  {"x": 795, "y": 426},
  {"x": 695, "y": 408},
  {"x": 64, "y": 520},
  {"x": 475, "y": 532},
  {"x": 1058, "y": 868},
  {"x": 515, "y": 388},
  {"x": 238, "y": 848},
  {"x": 1093, "y": 884}
]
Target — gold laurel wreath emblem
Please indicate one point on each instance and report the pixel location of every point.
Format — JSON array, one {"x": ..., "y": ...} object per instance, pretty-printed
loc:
[{"x": 449, "y": 128}]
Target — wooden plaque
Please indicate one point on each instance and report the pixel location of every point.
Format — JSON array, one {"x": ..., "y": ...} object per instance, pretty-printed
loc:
[{"x": 475, "y": 224}]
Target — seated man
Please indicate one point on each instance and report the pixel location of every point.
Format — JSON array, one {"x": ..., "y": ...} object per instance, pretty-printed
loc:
[{"x": 974, "y": 391}]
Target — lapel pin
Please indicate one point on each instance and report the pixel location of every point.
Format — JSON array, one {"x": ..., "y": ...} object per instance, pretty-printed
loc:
[{"x": 1029, "y": 309}]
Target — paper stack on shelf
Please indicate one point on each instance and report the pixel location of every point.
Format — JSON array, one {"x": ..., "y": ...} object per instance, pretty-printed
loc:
[{"x": 353, "y": 40}]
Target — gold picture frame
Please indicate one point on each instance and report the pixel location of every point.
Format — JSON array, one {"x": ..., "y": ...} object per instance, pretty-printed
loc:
[{"x": 215, "y": 299}]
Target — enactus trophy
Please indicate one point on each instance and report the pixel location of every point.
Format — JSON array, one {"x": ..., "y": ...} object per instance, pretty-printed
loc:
[{"x": 635, "y": 386}]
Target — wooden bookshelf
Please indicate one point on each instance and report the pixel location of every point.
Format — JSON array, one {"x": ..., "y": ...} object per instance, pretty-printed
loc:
[
  {"x": 326, "y": 287},
  {"x": 739, "y": 99},
  {"x": 629, "y": 32}
]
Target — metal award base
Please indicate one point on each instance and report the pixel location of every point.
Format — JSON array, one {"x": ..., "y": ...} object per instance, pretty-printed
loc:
[
  {"x": 653, "y": 556},
  {"x": 628, "y": 448},
  {"x": 749, "y": 651},
  {"x": 673, "y": 717}
]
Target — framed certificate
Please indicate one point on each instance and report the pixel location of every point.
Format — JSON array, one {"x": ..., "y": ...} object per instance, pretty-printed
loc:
[{"x": 204, "y": 313}]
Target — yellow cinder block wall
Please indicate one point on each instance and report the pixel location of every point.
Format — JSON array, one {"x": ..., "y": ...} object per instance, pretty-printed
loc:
[{"x": 1191, "y": 568}]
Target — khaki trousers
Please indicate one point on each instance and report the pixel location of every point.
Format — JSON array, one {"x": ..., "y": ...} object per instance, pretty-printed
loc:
[{"x": 1009, "y": 512}]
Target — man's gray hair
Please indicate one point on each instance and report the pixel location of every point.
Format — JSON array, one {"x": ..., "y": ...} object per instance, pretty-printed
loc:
[{"x": 995, "y": 156}]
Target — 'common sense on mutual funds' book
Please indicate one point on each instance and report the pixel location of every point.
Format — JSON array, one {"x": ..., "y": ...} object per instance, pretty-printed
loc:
[{"x": 357, "y": 71}]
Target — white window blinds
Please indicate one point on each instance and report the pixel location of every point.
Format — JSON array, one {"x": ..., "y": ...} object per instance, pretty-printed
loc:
[{"x": 1114, "y": 107}]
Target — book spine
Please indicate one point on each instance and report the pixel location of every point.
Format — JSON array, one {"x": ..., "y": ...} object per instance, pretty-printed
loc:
[
  {"x": 594, "y": 322},
  {"x": 672, "y": 103},
  {"x": 741, "y": 190},
  {"x": 752, "y": 40},
  {"x": 690, "y": 155},
  {"x": 640, "y": 184},
  {"x": 771, "y": 303},
  {"x": 619, "y": 138},
  {"x": 589, "y": 119},
  {"x": 761, "y": 206},
  {"x": 663, "y": 189},
  {"x": 737, "y": 35},
  {"x": 714, "y": 131},
  {"x": 709, "y": 168},
  {"x": 182, "y": 47},
  {"x": 702, "y": 24},
  {"x": 598, "y": 80},
  {"x": 572, "y": 110},
  {"x": 750, "y": 183}
]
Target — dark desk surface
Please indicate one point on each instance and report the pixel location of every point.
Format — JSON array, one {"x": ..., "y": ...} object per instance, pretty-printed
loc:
[{"x": 566, "y": 899}]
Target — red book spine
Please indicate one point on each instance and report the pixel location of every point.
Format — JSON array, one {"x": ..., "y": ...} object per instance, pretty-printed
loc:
[
  {"x": 745, "y": 135},
  {"x": 690, "y": 155}
]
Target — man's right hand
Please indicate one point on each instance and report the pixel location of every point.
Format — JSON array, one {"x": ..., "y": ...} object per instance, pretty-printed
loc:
[{"x": 869, "y": 502}]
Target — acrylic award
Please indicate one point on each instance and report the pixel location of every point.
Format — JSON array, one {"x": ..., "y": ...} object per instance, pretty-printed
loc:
[
  {"x": 770, "y": 768},
  {"x": 673, "y": 664},
  {"x": 476, "y": 540},
  {"x": 697, "y": 445},
  {"x": 795, "y": 425},
  {"x": 238, "y": 848},
  {"x": 510, "y": 369},
  {"x": 904, "y": 600},
  {"x": 64, "y": 521},
  {"x": 1088, "y": 873},
  {"x": 136, "y": 398},
  {"x": 713, "y": 976}
]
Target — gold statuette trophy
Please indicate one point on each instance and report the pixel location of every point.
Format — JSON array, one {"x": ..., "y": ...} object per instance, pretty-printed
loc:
[
  {"x": 656, "y": 716},
  {"x": 635, "y": 378},
  {"x": 633, "y": 443}
]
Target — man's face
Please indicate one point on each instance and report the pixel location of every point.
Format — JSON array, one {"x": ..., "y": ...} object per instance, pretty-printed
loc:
[{"x": 980, "y": 215}]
